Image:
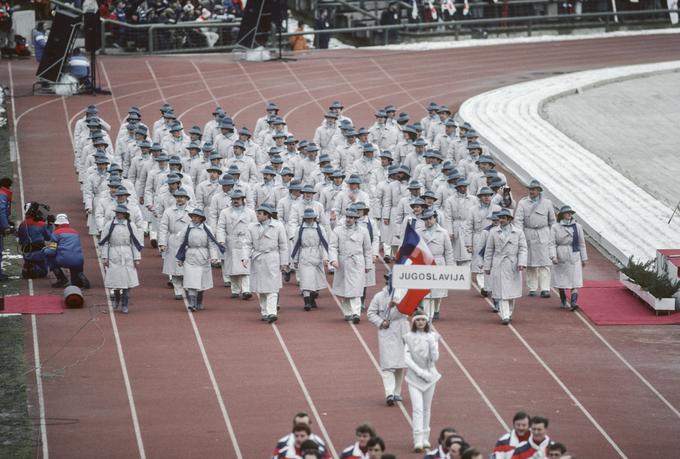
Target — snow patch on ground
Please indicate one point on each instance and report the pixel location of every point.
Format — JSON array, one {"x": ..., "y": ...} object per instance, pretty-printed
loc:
[
  {"x": 617, "y": 213},
  {"x": 473, "y": 42}
]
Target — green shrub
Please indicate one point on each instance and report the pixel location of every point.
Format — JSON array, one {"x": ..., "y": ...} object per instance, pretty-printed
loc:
[{"x": 644, "y": 275}]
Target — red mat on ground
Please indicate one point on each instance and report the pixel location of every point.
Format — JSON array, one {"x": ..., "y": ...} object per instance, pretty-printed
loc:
[
  {"x": 39, "y": 304},
  {"x": 611, "y": 303}
]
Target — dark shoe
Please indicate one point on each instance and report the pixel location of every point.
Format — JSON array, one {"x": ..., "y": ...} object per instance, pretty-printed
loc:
[
  {"x": 286, "y": 276},
  {"x": 494, "y": 306},
  {"x": 125, "y": 309},
  {"x": 247, "y": 295},
  {"x": 263, "y": 318},
  {"x": 532, "y": 293},
  {"x": 435, "y": 316},
  {"x": 356, "y": 319},
  {"x": 83, "y": 281},
  {"x": 484, "y": 293},
  {"x": 178, "y": 297},
  {"x": 116, "y": 300},
  {"x": 398, "y": 398},
  {"x": 563, "y": 298},
  {"x": 227, "y": 284},
  {"x": 574, "y": 301},
  {"x": 348, "y": 318},
  {"x": 505, "y": 321},
  {"x": 199, "y": 301},
  {"x": 315, "y": 295},
  {"x": 545, "y": 294},
  {"x": 308, "y": 303},
  {"x": 271, "y": 319},
  {"x": 235, "y": 295},
  {"x": 312, "y": 299},
  {"x": 170, "y": 284},
  {"x": 387, "y": 259},
  {"x": 390, "y": 400},
  {"x": 61, "y": 283},
  {"x": 154, "y": 243}
]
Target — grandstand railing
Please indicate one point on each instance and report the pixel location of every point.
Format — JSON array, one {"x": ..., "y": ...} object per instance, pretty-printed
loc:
[{"x": 190, "y": 36}]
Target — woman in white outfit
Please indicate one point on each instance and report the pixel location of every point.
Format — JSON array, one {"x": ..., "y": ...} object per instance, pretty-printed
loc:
[
  {"x": 309, "y": 255},
  {"x": 421, "y": 354},
  {"x": 197, "y": 253},
  {"x": 569, "y": 256},
  {"x": 121, "y": 247}
]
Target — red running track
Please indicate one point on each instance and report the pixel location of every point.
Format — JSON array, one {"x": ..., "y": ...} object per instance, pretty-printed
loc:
[{"x": 224, "y": 384}]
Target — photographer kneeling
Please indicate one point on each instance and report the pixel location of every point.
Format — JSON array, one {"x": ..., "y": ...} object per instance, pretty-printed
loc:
[
  {"x": 64, "y": 251},
  {"x": 33, "y": 233}
]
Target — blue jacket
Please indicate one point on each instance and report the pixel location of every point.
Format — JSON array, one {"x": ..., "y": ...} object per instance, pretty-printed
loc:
[
  {"x": 68, "y": 252},
  {"x": 5, "y": 208},
  {"x": 33, "y": 234}
]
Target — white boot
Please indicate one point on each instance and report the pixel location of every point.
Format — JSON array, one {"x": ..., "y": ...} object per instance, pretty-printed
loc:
[{"x": 417, "y": 441}]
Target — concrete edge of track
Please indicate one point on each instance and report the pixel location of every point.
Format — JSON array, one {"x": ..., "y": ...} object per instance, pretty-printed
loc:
[{"x": 509, "y": 121}]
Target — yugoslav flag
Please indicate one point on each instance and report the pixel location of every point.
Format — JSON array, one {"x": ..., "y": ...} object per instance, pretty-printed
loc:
[{"x": 413, "y": 251}]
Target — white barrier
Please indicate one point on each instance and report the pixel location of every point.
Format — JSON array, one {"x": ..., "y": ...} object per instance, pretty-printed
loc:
[{"x": 617, "y": 214}]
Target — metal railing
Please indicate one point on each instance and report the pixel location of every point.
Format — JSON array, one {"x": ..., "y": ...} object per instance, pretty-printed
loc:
[
  {"x": 168, "y": 38},
  {"x": 192, "y": 36},
  {"x": 608, "y": 20}
]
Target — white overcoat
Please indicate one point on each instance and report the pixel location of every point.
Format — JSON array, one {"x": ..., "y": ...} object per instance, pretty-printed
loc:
[
  {"x": 439, "y": 243},
  {"x": 231, "y": 232},
  {"x": 351, "y": 249},
  {"x": 536, "y": 218},
  {"x": 121, "y": 254},
  {"x": 200, "y": 250},
  {"x": 390, "y": 339},
  {"x": 266, "y": 248},
  {"x": 503, "y": 255},
  {"x": 421, "y": 354},
  {"x": 173, "y": 221},
  {"x": 567, "y": 271},
  {"x": 310, "y": 258}
]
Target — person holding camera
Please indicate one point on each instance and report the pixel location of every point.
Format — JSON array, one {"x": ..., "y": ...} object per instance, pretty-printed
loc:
[
  {"x": 5, "y": 217},
  {"x": 33, "y": 232},
  {"x": 421, "y": 354}
]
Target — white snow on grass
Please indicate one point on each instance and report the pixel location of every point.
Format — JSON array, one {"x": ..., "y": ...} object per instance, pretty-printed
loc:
[{"x": 617, "y": 213}]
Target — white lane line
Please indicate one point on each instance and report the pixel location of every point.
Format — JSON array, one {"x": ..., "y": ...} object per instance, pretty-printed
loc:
[
  {"x": 114, "y": 325},
  {"x": 569, "y": 393},
  {"x": 559, "y": 382},
  {"x": 206, "y": 360},
  {"x": 155, "y": 80},
  {"x": 205, "y": 83},
  {"x": 624, "y": 361},
  {"x": 308, "y": 397},
  {"x": 391, "y": 78},
  {"x": 349, "y": 83},
  {"x": 113, "y": 96},
  {"x": 449, "y": 351},
  {"x": 304, "y": 87},
  {"x": 368, "y": 351},
  {"x": 250, "y": 79},
  {"x": 34, "y": 319},
  {"x": 213, "y": 381},
  {"x": 627, "y": 364}
]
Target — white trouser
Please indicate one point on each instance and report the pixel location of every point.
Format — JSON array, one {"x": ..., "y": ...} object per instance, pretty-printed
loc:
[
  {"x": 673, "y": 5},
  {"x": 430, "y": 306},
  {"x": 268, "y": 303},
  {"x": 538, "y": 278},
  {"x": 240, "y": 284},
  {"x": 351, "y": 306},
  {"x": 387, "y": 249},
  {"x": 177, "y": 284},
  {"x": 392, "y": 380},
  {"x": 480, "y": 280},
  {"x": 506, "y": 308},
  {"x": 421, "y": 402}
]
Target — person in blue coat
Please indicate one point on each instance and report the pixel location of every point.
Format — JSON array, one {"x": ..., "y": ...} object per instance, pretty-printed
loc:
[
  {"x": 64, "y": 251},
  {"x": 33, "y": 233},
  {"x": 5, "y": 216}
]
